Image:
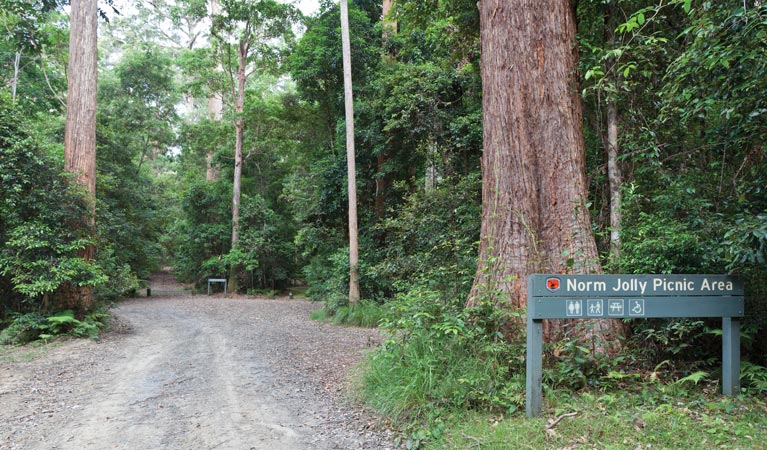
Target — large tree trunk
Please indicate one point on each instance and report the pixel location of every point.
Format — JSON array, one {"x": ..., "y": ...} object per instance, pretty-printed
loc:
[
  {"x": 80, "y": 129},
  {"x": 354, "y": 284},
  {"x": 534, "y": 214}
]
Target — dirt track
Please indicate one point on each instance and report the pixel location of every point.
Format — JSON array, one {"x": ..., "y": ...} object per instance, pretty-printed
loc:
[{"x": 192, "y": 372}]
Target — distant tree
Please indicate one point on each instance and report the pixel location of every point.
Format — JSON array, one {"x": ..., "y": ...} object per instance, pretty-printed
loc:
[{"x": 258, "y": 34}]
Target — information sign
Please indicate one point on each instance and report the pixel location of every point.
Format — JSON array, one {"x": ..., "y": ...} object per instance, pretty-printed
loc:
[{"x": 636, "y": 297}]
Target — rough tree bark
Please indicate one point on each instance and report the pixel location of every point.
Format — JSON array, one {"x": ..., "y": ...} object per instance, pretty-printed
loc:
[
  {"x": 80, "y": 128},
  {"x": 534, "y": 214},
  {"x": 354, "y": 284}
]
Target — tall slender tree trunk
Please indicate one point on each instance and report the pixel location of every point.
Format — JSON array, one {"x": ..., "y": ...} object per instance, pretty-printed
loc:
[
  {"x": 534, "y": 214},
  {"x": 614, "y": 174},
  {"x": 430, "y": 179},
  {"x": 351, "y": 169},
  {"x": 15, "y": 79},
  {"x": 239, "y": 125},
  {"x": 215, "y": 112},
  {"x": 80, "y": 128},
  {"x": 615, "y": 179}
]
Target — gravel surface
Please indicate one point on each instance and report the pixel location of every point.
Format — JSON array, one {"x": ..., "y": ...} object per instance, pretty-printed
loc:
[{"x": 192, "y": 372}]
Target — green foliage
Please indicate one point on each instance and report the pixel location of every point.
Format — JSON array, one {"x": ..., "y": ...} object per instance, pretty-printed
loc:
[
  {"x": 362, "y": 314},
  {"x": 443, "y": 356},
  {"x": 23, "y": 328},
  {"x": 32, "y": 32},
  {"x": 746, "y": 245},
  {"x": 684, "y": 341},
  {"x": 315, "y": 64},
  {"x": 41, "y": 221},
  {"x": 711, "y": 84},
  {"x": 136, "y": 117},
  {"x": 30, "y": 327},
  {"x": 328, "y": 278},
  {"x": 265, "y": 251},
  {"x": 753, "y": 377},
  {"x": 431, "y": 239},
  {"x": 572, "y": 365},
  {"x": 203, "y": 234},
  {"x": 641, "y": 416}
]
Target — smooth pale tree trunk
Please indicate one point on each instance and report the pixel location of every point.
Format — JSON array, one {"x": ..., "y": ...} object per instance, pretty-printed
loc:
[
  {"x": 15, "y": 79},
  {"x": 354, "y": 285},
  {"x": 239, "y": 125},
  {"x": 80, "y": 128},
  {"x": 615, "y": 179},
  {"x": 431, "y": 167},
  {"x": 614, "y": 174},
  {"x": 534, "y": 214},
  {"x": 215, "y": 112}
]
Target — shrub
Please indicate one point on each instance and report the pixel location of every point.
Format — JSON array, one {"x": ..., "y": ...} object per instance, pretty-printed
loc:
[
  {"x": 30, "y": 327},
  {"x": 42, "y": 226},
  {"x": 442, "y": 355}
]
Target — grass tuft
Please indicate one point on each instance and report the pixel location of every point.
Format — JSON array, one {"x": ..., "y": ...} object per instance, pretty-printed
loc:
[{"x": 363, "y": 314}]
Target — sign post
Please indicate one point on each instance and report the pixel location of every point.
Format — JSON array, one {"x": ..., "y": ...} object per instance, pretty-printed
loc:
[{"x": 634, "y": 297}]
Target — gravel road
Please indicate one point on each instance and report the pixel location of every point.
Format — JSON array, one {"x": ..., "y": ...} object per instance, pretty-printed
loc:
[{"x": 192, "y": 372}]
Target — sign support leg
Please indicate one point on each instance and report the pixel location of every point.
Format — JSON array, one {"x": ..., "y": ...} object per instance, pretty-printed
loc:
[
  {"x": 534, "y": 379},
  {"x": 730, "y": 356}
]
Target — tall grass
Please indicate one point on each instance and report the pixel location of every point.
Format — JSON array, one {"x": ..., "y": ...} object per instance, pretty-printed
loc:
[{"x": 363, "y": 314}]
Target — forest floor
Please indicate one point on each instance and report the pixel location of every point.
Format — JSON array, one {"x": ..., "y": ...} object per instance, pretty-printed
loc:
[{"x": 192, "y": 372}]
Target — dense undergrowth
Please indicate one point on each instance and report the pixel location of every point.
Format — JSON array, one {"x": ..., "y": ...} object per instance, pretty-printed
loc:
[
  {"x": 31, "y": 327},
  {"x": 448, "y": 376}
]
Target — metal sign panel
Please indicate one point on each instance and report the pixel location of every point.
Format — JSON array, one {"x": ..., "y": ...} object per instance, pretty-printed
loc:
[
  {"x": 634, "y": 307},
  {"x": 634, "y": 285},
  {"x": 632, "y": 296}
]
